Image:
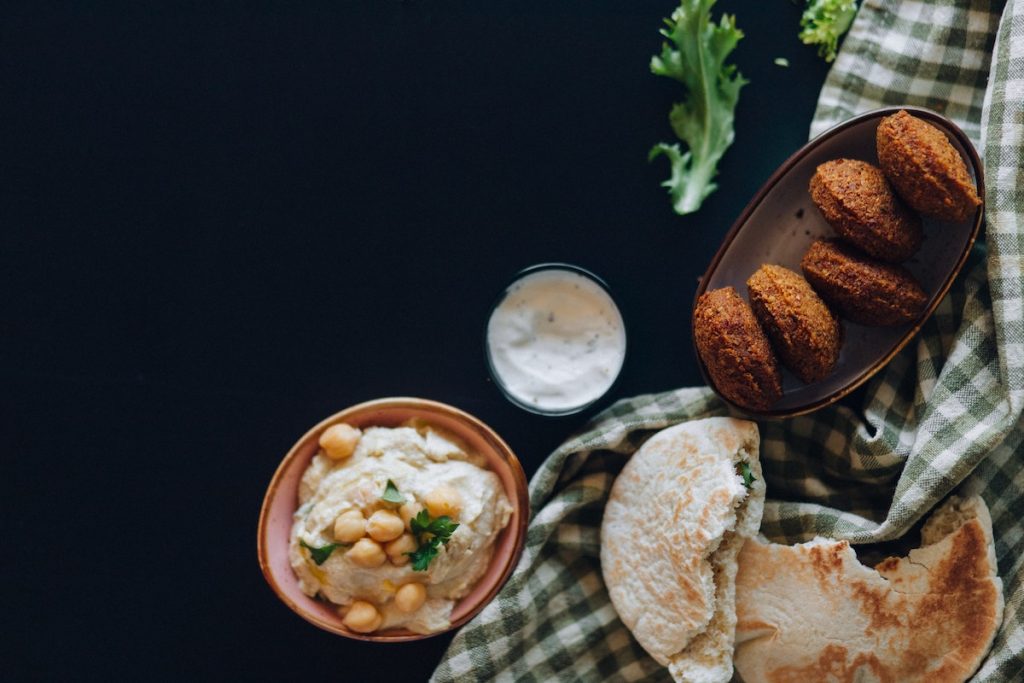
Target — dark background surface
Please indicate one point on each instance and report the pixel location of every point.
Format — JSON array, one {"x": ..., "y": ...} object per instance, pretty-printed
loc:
[{"x": 222, "y": 222}]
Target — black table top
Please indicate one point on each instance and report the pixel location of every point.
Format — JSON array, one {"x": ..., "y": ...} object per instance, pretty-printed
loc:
[{"x": 222, "y": 222}]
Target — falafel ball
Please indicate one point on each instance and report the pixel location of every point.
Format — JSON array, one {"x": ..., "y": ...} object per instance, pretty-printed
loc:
[
  {"x": 865, "y": 291},
  {"x": 802, "y": 329},
  {"x": 926, "y": 170},
  {"x": 735, "y": 350},
  {"x": 857, "y": 201}
]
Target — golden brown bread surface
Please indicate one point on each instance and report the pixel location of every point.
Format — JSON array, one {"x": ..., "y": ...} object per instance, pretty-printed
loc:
[
  {"x": 802, "y": 329},
  {"x": 926, "y": 170},
  {"x": 735, "y": 350},
  {"x": 865, "y": 291},
  {"x": 857, "y": 201},
  {"x": 813, "y": 612}
]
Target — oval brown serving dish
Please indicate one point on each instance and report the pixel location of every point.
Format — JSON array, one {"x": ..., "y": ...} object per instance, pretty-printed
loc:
[
  {"x": 281, "y": 500},
  {"x": 781, "y": 222}
]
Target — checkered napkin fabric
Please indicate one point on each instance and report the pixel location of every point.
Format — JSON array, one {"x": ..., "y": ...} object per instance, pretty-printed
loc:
[{"x": 945, "y": 414}]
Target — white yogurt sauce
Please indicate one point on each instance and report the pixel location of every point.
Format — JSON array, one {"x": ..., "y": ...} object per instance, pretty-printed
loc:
[{"x": 556, "y": 341}]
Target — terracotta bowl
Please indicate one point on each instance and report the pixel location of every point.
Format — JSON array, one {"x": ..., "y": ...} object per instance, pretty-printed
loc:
[
  {"x": 281, "y": 501},
  {"x": 781, "y": 222}
]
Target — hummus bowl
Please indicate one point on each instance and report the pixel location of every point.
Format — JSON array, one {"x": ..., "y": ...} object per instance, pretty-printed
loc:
[{"x": 277, "y": 515}]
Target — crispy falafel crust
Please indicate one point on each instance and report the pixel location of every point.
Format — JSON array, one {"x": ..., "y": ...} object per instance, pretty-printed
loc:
[
  {"x": 926, "y": 170},
  {"x": 802, "y": 329},
  {"x": 735, "y": 350},
  {"x": 857, "y": 201},
  {"x": 865, "y": 291}
]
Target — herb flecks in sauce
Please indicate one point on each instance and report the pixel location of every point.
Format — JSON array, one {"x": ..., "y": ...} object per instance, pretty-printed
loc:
[{"x": 556, "y": 341}]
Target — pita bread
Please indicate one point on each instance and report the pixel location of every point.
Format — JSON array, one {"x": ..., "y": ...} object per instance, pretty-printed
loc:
[
  {"x": 812, "y": 612},
  {"x": 676, "y": 519}
]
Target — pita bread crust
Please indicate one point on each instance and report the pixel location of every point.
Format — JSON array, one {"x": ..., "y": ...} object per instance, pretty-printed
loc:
[
  {"x": 675, "y": 520},
  {"x": 813, "y": 612}
]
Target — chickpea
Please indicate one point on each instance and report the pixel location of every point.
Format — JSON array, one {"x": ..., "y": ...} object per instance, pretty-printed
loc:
[
  {"x": 367, "y": 553},
  {"x": 339, "y": 441},
  {"x": 362, "y": 617},
  {"x": 444, "y": 500},
  {"x": 409, "y": 510},
  {"x": 398, "y": 548},
  {"x": 349, "y": 527},
  {"x": 384, "y": 526},
  {"x": 410, "y": 597}
]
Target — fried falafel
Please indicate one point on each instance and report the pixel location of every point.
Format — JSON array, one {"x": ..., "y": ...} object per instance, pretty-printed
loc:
[
  {"x": 803, "y": 331},
  {"x": 924, "y": 167},
  {"x": 735, "y": 350},
  {"x": 865, "y": 291},
  {"x": 857, "y": 201}
]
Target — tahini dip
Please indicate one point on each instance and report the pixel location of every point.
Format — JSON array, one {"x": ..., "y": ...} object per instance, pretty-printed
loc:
[
  {"x": 556, "y": 341},
  {"x": 359, "y": 530}
]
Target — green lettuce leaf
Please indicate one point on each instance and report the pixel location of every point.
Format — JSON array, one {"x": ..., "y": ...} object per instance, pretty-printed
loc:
[
  {"x": 694, "y": 55},
  {"x": 824, "y": 22}
]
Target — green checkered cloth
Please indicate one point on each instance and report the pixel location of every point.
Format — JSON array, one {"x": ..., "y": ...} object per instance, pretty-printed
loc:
[{"x": 945, "y": 414}]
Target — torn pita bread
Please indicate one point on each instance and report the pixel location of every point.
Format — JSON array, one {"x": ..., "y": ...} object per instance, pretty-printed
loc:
[
  {"x": 678, "y": 514},
  {"x": 812, "y": 612}
]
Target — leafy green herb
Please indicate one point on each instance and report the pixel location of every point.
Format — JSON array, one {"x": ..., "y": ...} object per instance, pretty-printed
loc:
[
  {"x": 430, "y": 534},
  {"x": 743, "y": 469},
  {"x": 439, "y": 527},
  {"x": 781, "y": 61},
  {"x": 391, "y": 494},
  {"x": 423, "y": 556},
  {"x": 694, "y": 55},
  {"x": 320, "y": 555},
  {"x": 824, "y": 21}
]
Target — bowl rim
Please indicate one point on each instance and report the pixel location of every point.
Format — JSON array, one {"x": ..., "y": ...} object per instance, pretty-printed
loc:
[
  {"x": 501, "y": 448},
  {"x": 948, "y": 127},
  {"x": 488, "y": 356}
]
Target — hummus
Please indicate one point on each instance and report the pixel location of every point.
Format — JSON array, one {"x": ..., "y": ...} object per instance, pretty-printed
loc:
[{"x": 419, "y": 461}]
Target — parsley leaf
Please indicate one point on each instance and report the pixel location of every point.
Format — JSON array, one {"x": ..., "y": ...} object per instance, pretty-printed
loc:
[
  {"x": 420, "y": 522},
  {"x": 441, "y": 527},
  {"x": 423, "y": 556},
  {"x": 694, "y": 55},
  {"x": 391, "y": 494},
  {"x": 824, "y": 22},
  {"x": 320, "y": 555},
  {"x": 743, "y": 469},
  {"x": 431, "y": 533}
]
